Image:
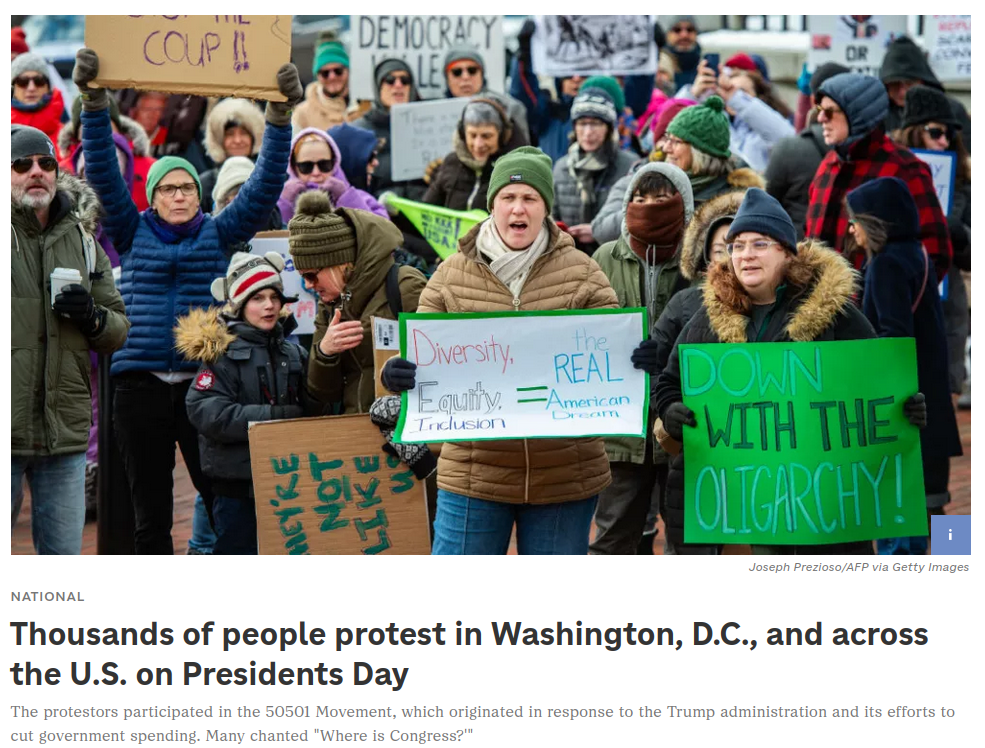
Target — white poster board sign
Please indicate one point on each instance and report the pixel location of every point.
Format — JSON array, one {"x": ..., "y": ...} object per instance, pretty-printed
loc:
[
  {"x": 943, "y": 165},
  {"x": 306, "y": 307},
  {"x": 858, "y": 42},
  {"x": 421, "y": 132},
  {"x": 422, "y": 42},
  {"x": 949, "y": 46},
  {"x": 513, "y": 375},
  {"x": 563, "y": 46}
]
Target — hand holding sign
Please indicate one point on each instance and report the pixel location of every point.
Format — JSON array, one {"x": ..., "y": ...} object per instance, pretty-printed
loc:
[
  {"x": 86, "y": 70},
  {"x": 289, "y": 85},
  {"x": 399, "y": 375},
  {"x": 341, "y": 336}
]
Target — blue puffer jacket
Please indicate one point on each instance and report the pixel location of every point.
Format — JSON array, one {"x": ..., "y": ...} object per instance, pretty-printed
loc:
[{"x": 161, "y": 281}]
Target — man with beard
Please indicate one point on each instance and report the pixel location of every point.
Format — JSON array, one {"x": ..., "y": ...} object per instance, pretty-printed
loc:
[
  {"x": 55, "y": 322},
  {"x": 682, "y": 45},
  {"x": 326, "y": 99}
]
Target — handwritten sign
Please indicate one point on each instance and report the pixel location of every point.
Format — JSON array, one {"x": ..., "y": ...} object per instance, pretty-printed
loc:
[
  {"x": 305, "y": 309},
  {"x": 858, "y": 42},
  {"x": 792, "y": 446},
  {"x": 324, "y": 486},
  {"x": 511, "y": 375},
  {"x": 204, "y": 55},
  {"x": 943, "y": 165},
  {"x": 421, "y": 132},
  {"x": 563, "y": 46},
  {"x": 442, "y": 227},
  {"x": 422, "y": 42},
  {"x": 949, "y": 45}
]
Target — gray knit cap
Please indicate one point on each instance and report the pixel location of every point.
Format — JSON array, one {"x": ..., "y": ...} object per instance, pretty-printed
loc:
[
  {"x": 25, "y": 62},
  {"x": 463, "y": 53}
]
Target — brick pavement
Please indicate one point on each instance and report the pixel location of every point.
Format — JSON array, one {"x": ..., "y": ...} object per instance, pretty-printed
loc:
[{"x": 20, "y": 541}]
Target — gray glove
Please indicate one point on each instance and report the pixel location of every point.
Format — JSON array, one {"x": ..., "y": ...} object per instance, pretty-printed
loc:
[
  {"x": 289, "y": 84},
  {"x": 86, "y": 70}
]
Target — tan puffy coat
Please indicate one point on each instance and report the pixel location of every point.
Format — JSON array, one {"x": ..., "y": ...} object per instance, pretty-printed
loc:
[
  {"x": 520, "y": 471},
  {"x": 320, "y": 111}
]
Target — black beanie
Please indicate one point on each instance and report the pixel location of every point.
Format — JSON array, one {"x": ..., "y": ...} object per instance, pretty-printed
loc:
[
  {"x": 824, "y": 72},
  {"x": 928, "y": 104},
  {"x": 29, "y": 141},
  {"x": 762, "y": 213}
]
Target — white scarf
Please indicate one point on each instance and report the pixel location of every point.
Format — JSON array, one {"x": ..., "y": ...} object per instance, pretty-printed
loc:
[{"x": 509, "y": 265}]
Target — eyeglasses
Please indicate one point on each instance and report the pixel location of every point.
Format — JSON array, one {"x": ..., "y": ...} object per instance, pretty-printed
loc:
[
  {"x": 757, "y": 247},
  {"x": 403, "y": 80},
  {"x": 683, "y": 30},
  {"x": 718, "y": 247},
  {"x": 306, "y": 167},
  {"x": 336, "y": 72},
  {"x": 936, "y": 133},
  {"x": 24, "y": 165},
  {"x": 670, "y": 142},
  {"x": 170, "y": 190},
  {"x": 471, "y": 70},
  {"x": 24, "y": 80},
  {"x": 586, "y": 124},
  {"x": 827, "y": 111}
]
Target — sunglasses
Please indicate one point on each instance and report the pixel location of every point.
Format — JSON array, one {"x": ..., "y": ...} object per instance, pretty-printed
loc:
[
  {"x": 393, "y": 79},
  {"x": 311, "y": 276},
  {"x": 24, "y": 165},
  {"x": 24, "y": 80},
  {"x": 936, "y": 133},
  {"x": 827, "y": 111},
  {"x": 684, "y": 30},
  {"x": 306, "y": 167},
  {"x": 331, "y": 72},
  {"x": 471, "y": 70}
]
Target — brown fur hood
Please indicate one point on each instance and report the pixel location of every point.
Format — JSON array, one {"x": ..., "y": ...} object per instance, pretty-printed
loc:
[
  {"x": 744, "y": 178},
  {"x": 822, "y": 276},
  {"x": 696, "y": 236},
  {"x": 243, "y": 111},
  {"x": 202, "y": 335}
]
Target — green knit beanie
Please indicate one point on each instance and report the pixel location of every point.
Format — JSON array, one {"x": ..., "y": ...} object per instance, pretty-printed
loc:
[
  {"x": 611, "y": 86},
  {"x": 328, "y": 53},
  {"x": 524, "y": 165},
  {"x": 705, "y": 127},
  {"x": 318, "y": 237},
  {"x": 164, "y": 166}
]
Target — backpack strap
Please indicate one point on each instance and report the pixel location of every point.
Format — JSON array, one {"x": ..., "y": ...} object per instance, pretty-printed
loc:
[
  {"x": 393, "y": 297},
  {"x": 923, "y": 286}
]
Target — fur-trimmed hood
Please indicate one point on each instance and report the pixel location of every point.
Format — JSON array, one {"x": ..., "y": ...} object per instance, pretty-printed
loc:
[
  {"x": 68, "y": 137},
  {"x": 244, "y": 112},
  {"x": 831, "y": 283},
  {"x": 696, "y": 235},
  {"x": 206, "y": 334},
  {"x": 744, "y": 178},
  {"x": 85, "y": 202}
]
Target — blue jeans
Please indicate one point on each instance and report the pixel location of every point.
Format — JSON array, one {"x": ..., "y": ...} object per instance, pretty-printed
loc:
[
  {"x": 58, "y": 510},
  {"x": 202, "y": 539},
  {"x": 235, "y": 527},
  {"x": 468, "y": 526}
]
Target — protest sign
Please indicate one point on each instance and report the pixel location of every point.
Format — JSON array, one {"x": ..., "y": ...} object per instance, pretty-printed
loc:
[
  {"x": 949, "y": 46},
  {"x": 305, "y": 309},
  {"x": 943, "y": 165},
  {"x": 325, "y": 486},
  {"x": 442, "y": 227},
  {"x": 421, "y": 132},
  {"x": 422, "y": 42},
  {"x": 204, "y": 55},
  {"x": 510, "y": 375},
  {"x": 858, "y": 42},
  {"x": 563, "y": 46},
  {"x": 795, "y": 444}
]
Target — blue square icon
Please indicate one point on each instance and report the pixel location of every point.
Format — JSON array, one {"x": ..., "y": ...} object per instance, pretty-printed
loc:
[{"x": 950, "y": 535}]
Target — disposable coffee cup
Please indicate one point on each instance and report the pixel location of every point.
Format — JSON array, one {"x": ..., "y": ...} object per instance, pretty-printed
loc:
[{"x": 61, "y": 277}]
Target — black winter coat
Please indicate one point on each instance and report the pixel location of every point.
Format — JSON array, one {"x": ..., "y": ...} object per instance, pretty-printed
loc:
[
  {"x": 959, "y": 224},
  {"x": 458, "y": 186},
  {"x": 791, "y": 170}
]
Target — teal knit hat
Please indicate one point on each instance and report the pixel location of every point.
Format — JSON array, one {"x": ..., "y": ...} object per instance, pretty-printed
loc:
[
  {"x": 611, "y": 86},
  {"x": 327, "y": 53},
  {"x": 524, "y": 165},
  {"x": 164, "y": 166},
  {"x": 705, "y": 127}
]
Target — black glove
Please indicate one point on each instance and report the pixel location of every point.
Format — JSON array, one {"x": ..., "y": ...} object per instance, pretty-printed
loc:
[
  {"x": 645, "y": 357},
  {"x": 915, "y": 410},
  {"x": 86, "y": 70},
  {"x": 526, "y": 31},
  {"x": 417, "y": 457},
  {"x": 678, "y": 416},
  {"x": 659, "y": 37},
  {"x": 289, "y": 84},
  {"x": 286, "y": 412},
  {"x": 399, "y": 375},
  {"x": 76, "y": 303}
]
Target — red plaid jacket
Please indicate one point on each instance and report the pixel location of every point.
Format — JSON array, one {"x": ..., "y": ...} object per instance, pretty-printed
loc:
[{"x": 872, "y": 157}]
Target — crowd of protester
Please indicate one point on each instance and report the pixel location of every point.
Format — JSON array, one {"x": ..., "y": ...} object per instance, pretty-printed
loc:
[{"x": 695, "y": 193}]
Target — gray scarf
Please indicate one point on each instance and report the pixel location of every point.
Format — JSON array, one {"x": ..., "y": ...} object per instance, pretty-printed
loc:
[{"x": 584, "y": 168}]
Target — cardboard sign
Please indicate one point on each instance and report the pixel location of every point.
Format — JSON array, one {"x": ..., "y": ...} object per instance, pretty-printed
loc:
[
  {"x": 442, "y": 227},
  {"x": 563, "y": 46},
  {"x": 420, "y": 133},
  {"x": 858, "y": 42},
  {"x": 305, "y": 309},
  {"x": 943, "y": 165},
  {"x": 515, "y": 375},
  {"x": 949, "y": 46},
  {"x": 422, "y": 42},
  {"x": 794, "y": 446},
  {"x": 204, "y": 55},
  {"x": 325, "y": 486}
]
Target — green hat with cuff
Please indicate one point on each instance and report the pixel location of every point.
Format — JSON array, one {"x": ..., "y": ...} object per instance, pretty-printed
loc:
[
  {"x": 164, "y": 166},
  {"x": 524, "y": 165},
  {"x": 329, "y": 53}
]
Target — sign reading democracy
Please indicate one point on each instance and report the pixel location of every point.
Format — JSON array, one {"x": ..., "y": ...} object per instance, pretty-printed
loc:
[
  {"x": 441, "y": 227},
  {"x": 420, "y": 133},
  {"x": 512, "y": 375},
  {"x": 796, "y": 445},
  {"x": 949, "y": 46},
  {"x": 943, "y": 167},
  {"x": 858, "y": 42},
  {"x": 422, "y": 42},
  {"x": 305, "y": 309},
  {"x": 203, "y": 55}
]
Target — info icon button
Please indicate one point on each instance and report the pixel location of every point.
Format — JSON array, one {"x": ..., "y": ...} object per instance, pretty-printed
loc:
[{"x": 950, "y": 535}]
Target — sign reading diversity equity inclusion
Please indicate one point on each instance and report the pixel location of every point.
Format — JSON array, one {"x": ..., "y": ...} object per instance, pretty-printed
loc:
[
  {"x": 792, "y": 446},
  {"x": 510, "y": 375}
]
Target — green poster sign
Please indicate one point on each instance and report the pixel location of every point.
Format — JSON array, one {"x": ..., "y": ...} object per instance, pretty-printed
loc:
[
  {"x": 801, "y": 443},
  {"x": 441, "y": 227}
]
